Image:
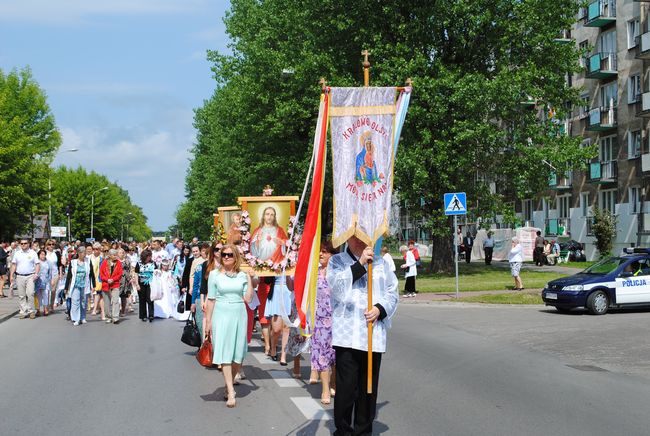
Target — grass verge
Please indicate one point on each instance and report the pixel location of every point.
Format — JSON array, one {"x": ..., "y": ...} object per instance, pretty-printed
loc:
[
  {"x": 510, "y": 298},
  {"x": 477, "y": 277}
]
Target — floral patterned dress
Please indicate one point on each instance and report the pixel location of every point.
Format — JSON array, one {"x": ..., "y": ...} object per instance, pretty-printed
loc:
[{"x": 322, "y": 353}]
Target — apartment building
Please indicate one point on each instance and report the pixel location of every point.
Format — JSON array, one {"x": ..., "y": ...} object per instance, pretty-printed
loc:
[{"x": 615, "y": 86}]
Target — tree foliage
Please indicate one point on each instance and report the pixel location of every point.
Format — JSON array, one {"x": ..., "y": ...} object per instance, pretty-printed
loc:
[
  {"x": 28, "y": 141},
  {"x": 72, "y": 190},
  {"x": 472, "y": 63},
  {"x": 604, "y": 230}
]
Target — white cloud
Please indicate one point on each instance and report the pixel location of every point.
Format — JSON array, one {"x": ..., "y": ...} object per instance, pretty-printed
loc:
[
  {"x": 210, "y": 34},
  {"x": 150, "y": 166},
  {"x": 71, "y": 11}
]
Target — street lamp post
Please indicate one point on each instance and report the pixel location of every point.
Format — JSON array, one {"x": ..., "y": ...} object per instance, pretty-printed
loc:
[
  {"x": 92, "y": 211},
  {"x": 127, "y": 218},
  {"x": 49, "y": 191}
]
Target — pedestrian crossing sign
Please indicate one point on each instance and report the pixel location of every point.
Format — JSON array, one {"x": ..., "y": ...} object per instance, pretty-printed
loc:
[{"x": 455, "y": 203}]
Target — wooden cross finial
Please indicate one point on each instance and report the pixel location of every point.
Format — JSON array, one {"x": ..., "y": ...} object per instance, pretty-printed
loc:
[
  {"x": 409, "y": 82},
  {"x": 366, "y": 63}
]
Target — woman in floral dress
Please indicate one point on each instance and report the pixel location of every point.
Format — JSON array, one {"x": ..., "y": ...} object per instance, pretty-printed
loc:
[{"x": 322, "y": 353}]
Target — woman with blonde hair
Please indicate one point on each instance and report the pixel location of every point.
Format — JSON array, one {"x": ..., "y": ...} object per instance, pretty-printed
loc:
[{"x": 228, "y": 289}]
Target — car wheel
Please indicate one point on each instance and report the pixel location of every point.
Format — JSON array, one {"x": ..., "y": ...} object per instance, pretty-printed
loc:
[
  {"x": 598, "y": 303},
  {"x": 563, "y": 309}
]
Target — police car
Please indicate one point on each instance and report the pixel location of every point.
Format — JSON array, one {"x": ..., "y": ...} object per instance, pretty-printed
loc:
[{"x": 616, "y": 281}]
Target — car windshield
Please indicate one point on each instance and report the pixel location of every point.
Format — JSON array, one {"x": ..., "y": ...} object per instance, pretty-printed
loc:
[{"x": 605, "y": 266}]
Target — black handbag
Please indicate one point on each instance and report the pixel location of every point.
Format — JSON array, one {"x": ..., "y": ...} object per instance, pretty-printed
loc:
[
  {"x": 191, "y": 335},
  {"x": 180, "y": 307}
]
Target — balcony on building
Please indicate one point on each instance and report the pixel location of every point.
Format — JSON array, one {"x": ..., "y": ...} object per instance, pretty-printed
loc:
[
  {"x": 603, "y": 172},
  {"x": 645, "y": 162},
  {"x": 601, "y": 13},
  {"x": 590, "y": 225},
  {"x": 601, "y": 119},
  {"x": 565, "y": 37},
  {"x": 643, "y": 106},
  {"x": 602, "y": 65},
  {"x": 560, "y": 183},
  {"x": 643, "y": 46},
  {"x": 644, "y": 222},
  {"x": 557, "y": 227}
]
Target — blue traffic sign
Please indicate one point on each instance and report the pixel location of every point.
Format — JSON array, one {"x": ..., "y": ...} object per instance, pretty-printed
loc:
[{"x": 455, "y": 203}]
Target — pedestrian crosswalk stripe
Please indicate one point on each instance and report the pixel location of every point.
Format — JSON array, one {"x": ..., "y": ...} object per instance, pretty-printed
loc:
[
  {"x": 311, "y": 409},
  {"x": 284, "y": 379},
  {"x": 261, "y": 357}
]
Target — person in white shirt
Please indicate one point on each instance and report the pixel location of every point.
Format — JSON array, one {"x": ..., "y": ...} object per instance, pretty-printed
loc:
[
  {"x": 488, "y": 248},
  {"x": 388, "y": 259},
  {"x": 348, "y": 280},
  {"x": 158, "y": 254},
  {"x": 411, "y": 271},
  {"x": 516, "y": 259},
  {"x": 26, "y": 266}
]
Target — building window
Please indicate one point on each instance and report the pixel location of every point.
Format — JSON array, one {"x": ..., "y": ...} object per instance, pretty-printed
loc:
[
  {"x": 634, "y": 144},
  {"x": 632, "y": 32},
  {"x": 608, "y": 148},
  {"x": 563, "y": 205},
  {"x": 609, "y": 95},
  {"x": 584, "y": 203},
  {"x": 583, "y": 47},
  {"x": 582, "y": 13},
  {"x": 633, "y": 89},
  {"x": 583, "y": 109},
  {"x": 607, "y": 201},
  {"x": 608, "y": 42},
  {"x": 634, "y": 200}
]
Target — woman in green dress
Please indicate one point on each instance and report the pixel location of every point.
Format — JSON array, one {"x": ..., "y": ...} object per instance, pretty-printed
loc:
[{"x": 228, "y": 290}]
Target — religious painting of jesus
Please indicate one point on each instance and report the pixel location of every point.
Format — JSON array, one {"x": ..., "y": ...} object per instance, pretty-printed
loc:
[{"x": 269, "y": 221}]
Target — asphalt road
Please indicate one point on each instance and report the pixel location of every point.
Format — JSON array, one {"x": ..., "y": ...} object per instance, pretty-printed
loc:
[{"x": 450, "y": 370}]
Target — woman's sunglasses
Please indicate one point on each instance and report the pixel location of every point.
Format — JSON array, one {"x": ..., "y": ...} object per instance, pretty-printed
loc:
[{"x": 226, "y": 255}]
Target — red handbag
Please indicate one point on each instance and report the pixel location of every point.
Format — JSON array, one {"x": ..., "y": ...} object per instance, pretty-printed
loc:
[{"x": 204, "y": 355}]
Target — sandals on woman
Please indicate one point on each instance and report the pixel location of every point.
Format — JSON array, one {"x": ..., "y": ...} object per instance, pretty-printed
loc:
[{"x": 326, "y": 399}]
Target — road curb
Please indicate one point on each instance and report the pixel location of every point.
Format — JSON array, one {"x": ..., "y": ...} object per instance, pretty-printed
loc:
[
  {"x": 466, "y": 304},
  {"x": 9, "y": 316}
]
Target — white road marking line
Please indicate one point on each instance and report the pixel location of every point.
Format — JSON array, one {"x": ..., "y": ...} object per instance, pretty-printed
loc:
[
  {"x": 284, "y": 379},
  {"x": 312, "y": 408}
]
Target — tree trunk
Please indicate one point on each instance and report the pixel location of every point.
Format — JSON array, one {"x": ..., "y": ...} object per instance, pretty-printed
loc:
[{"x": 442, "y": 256}]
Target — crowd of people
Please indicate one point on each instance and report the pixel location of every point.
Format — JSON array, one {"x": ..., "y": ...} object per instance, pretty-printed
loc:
[{"x": 206, "y": 281}]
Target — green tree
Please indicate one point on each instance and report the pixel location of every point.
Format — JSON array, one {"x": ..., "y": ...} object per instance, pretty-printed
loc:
[
  {"x": 72, "y": 190},
  {"x": 604, "y": 229},
  {"x": 472, "y": 62},
  {"x": 28, "y": 141}
]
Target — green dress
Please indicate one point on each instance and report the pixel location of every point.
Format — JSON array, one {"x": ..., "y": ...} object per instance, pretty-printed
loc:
[{"x": 229, "y": 319}]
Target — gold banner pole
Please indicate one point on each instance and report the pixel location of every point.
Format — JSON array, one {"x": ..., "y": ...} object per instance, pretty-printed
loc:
[{"x": 366, "y": 82}]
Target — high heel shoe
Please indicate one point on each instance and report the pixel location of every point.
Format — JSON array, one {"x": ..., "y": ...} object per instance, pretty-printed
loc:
[{"x": 231, "y": 400}]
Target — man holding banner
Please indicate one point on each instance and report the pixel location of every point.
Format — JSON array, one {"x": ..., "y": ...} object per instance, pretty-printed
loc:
[
  {"x": 365, "y": 129},
  {"x": 347, "y": 276}
]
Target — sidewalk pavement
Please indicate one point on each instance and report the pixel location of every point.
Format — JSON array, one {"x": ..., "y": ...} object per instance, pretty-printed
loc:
[{"x": 8, "y": 307}]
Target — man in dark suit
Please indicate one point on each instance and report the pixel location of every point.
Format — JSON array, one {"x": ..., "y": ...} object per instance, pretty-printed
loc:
[{"x": 468, "y": 243}]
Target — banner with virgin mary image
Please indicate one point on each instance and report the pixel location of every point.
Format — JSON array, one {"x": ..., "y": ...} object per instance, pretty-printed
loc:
[{"x": 362, "y": 126}]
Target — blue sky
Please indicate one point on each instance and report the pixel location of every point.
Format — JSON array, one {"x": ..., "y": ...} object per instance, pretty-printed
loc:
[{"x": 122, "y": 79}]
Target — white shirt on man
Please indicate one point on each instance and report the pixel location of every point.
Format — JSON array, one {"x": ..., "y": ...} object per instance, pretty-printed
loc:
[{"x": 25, "y": 262}]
